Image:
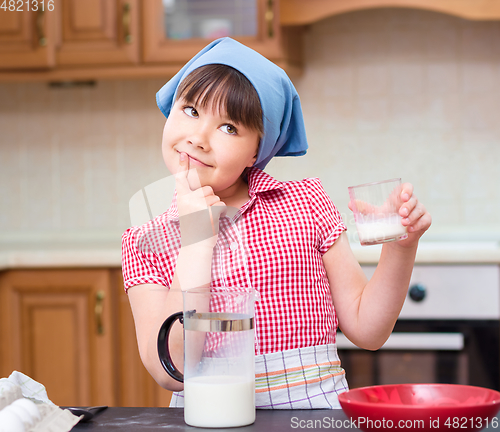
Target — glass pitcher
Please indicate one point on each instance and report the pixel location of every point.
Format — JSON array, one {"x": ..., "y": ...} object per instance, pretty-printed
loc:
[{"x": 219, "y": 365}]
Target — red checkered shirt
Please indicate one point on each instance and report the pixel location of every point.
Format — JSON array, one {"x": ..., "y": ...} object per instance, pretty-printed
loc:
[{"x": 277, "y": 246}]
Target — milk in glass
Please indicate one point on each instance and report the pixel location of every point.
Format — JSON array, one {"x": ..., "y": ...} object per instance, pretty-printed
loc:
[{"x": 378, "y": 230}]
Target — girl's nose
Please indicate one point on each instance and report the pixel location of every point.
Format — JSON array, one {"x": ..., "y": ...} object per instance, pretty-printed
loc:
[{"x": 200, "y": 137}]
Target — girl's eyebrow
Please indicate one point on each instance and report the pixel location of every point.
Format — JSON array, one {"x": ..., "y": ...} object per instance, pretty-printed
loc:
[
  {"x": 215, "y": 109},
  {"x": 223, "y": 115},
  {"x": 227, "y": 119}
]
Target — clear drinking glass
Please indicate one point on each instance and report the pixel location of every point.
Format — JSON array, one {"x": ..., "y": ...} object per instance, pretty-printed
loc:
[{"x": 376, "y": 211}]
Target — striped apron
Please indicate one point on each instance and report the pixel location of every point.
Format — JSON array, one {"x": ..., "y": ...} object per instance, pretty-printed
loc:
[{"x": 301, "y": 378}]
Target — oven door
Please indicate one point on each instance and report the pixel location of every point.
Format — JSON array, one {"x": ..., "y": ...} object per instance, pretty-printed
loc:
[
  {"x": 447, "y": 332},
  {"x": 428, "y": 351}
]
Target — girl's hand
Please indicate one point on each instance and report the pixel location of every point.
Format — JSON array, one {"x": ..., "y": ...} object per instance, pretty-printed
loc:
[
  {"x": 415, "y": 216},
  {"x": 199, "y": 207}
]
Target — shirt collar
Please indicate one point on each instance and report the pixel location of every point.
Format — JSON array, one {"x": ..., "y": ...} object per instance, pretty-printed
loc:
[{"x": 259, "y": 181}]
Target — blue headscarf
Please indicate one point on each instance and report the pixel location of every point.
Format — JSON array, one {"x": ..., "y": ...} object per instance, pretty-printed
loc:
[{"x": 284, "y": 131}]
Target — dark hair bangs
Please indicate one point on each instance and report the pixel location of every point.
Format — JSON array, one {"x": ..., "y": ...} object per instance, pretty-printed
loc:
[{"x": 228, "y": 90}]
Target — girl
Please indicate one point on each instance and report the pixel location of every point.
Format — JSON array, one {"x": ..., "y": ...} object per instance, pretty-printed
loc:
[{"x": 229, "y": 111}]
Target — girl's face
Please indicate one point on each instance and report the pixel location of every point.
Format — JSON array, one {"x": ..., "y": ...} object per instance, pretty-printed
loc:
[{"x": 218, "y": 149}]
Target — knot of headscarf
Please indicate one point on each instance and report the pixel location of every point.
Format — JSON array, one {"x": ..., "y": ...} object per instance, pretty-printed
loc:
[{"x": 284, "y": 131}]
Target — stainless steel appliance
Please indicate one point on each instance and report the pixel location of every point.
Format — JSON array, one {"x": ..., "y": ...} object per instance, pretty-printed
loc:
[{"x": 447, "y": 332}]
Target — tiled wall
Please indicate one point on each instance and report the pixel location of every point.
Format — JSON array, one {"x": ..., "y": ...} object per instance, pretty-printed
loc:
[
  {"x": 386, "y": 93},
  {"x": 411, "y": 94},
  {"x": 72, "y": 157}
]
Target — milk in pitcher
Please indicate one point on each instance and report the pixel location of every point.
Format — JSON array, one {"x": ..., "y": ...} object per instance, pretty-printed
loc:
[{"x": 219, "y": 401}]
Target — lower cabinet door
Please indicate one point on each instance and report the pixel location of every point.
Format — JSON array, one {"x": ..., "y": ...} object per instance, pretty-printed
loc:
[{"x": 56, "y": 327}]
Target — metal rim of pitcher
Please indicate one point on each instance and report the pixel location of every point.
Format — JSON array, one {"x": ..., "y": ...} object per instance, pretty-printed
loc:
[{"x": 217, "y": 322}]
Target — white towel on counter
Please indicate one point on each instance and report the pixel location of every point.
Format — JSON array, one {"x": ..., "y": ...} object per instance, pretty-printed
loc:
[{"x": 51, "y": 418}]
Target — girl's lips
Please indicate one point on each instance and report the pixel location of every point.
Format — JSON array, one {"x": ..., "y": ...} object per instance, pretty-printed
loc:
[{"x": 194, "y": 161}]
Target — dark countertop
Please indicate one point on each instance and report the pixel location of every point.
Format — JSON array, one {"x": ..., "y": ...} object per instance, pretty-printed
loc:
[{"x": 160, "y": 419}]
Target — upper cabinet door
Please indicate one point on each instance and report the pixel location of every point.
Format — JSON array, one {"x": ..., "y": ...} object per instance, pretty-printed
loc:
[
  {"x": 26, "y": 37},
  {"x": 100, "y": 32},
  {"x": 175, "y": 30}
]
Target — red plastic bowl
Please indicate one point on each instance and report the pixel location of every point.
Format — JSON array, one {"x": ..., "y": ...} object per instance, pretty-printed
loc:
[{"x": 422, "y": 407}]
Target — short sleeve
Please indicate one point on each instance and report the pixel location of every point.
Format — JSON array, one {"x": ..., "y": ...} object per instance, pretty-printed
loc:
[
  {"x": 145, "y": 259},
  {"x": 327, "y": 218}
]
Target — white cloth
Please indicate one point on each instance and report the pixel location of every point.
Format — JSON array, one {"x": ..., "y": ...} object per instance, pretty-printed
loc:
[
  {"x": 30, "y": 388},
  {"x": 51, "y": 418},
  {"x": 301, "y": 378}
]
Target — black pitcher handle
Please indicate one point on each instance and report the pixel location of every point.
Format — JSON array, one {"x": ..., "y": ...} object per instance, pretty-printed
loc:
[{"x": 163, "y": 351}]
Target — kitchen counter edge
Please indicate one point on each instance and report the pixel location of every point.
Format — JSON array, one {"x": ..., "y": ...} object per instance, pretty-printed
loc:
[{"x": 97, "y": 256}]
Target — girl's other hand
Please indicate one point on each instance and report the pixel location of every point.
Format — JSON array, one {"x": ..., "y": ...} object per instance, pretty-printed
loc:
[{"x": 415, "y": 216}]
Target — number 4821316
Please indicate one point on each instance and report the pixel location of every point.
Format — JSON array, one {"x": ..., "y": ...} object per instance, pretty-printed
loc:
[{"x": 27, "y": 5}]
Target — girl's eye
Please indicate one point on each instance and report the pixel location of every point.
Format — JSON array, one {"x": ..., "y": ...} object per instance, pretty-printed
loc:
[
  {"x": 229, "y": 129},
  {"x": 190, "y": 111}
]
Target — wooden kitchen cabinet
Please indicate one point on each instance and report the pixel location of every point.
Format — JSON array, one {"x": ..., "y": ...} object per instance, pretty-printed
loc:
[
  {"x": 73, "y": 331},
  {"x": 113, "y": 39},
  {"x": 261, "y": 31},
  {"x": 300, "y": 12},
  {"x": 69, "y": 33},
  {"x": 97, "y": 32},
  {"x": 56, "y": 327},
  {"x": 27, "y": 39}
]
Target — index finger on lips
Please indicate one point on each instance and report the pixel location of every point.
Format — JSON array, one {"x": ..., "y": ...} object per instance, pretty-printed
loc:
[{"x": 181, "y": 180}]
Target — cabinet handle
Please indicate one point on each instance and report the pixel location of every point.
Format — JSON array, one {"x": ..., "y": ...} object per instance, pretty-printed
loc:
[
  {"x": 98, "y": 310},
  {"x": 269, "y": 16},
  {"x": 126, "y": 23},
  {"x": 42, "y": 40}
]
